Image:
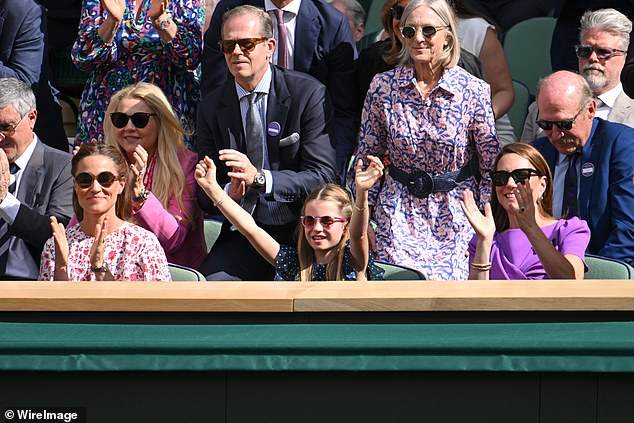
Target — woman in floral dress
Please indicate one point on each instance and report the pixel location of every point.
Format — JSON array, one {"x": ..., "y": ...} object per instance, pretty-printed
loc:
[
  {"x": 435, "y": 122},
  {"x": 104, "y": 245},
  {"x": 121, "y": 42}
]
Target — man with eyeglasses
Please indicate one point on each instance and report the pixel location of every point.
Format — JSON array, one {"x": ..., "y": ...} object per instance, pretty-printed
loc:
[
  {"x": 267, "y": 131},
  {"x": 311, "y": 37},
  {"x": 592, "y": 164},
  {"x": 604, "y": 37},
  {"x": 35, "y": 184}
]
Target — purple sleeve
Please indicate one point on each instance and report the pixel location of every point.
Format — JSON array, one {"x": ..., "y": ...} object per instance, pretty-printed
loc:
[{"x": 573, "y": 237}]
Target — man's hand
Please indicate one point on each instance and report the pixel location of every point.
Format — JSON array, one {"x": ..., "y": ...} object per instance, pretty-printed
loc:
[
  {"x": 241, "y": 167},
  {"x": 5, "y": 176}
]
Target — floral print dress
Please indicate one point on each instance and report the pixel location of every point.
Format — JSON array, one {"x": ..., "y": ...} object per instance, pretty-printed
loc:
[
  {"x": 137, "y": 54},
  {"x": 439, "y": 134},
  {"x": 131, "y": 254}
]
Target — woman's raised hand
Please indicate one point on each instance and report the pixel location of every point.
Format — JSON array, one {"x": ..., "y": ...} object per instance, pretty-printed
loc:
[
  {"x": 157, "y": 8},
  {"x": 365, "y": 179},
  {"x": 115, "y": 8},
  {"x": 525, "y": 210},
  {"x": 61, "y": 245},
  {"x": 483, "y": 224},
  {"x": 138, "y": 169}
]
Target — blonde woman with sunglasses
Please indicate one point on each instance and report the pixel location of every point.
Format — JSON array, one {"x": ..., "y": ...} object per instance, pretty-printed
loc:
[
  {"x": 332, "y": 242},
  {"x": 104, "y": 246},
  {"x": 517, "y": 237}
]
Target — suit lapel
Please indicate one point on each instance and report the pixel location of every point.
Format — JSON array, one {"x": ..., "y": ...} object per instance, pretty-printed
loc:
[
  {"x": 277, "y": 108},
  {"x": 32, "y": 177},
  {"x": 621, "y": 110},
  {"x": 307, "y": 31},
  {"x": 230, "y": 118}
]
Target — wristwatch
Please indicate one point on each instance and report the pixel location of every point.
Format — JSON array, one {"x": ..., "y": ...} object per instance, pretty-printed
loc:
[
  {"x": 259, "y": 181},
  {"x": 101, "y": 269}
]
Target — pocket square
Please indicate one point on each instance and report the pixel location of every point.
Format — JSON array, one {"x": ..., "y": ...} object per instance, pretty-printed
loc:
[{"x": 290, "y": 140}]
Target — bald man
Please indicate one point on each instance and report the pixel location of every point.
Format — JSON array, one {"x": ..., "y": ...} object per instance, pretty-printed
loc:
[{"x": 590, "y": 158}]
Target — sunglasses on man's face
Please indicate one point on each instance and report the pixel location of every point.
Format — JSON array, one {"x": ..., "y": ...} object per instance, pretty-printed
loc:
[
  {"x": 501, "y": 177},
  {"x": 428, "y": 31},
  {"x": 564, "y": 124},
  {"x": 397, "y": 12},
  {"x": 583, "y": 52},
  {"x": 247, "y": 45},
  {"x": 139, "y": 119},
  {"x": 326, "y": 221},
  {"x": 105, "y": 179}
]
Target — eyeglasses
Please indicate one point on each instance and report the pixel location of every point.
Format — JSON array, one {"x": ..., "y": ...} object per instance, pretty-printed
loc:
[
  {"x": 139, "y": 119},
  {"x": 8, "y": 129},
  {"x": 326, "y": 221},
  {"x": 428, "y": 31},
  {"x": 564, "y": 125},
  {"x": 603, "y": 54},
  {"x": 247, "y": 45},
  {"x": 501, "y": 177},
  {"x": 105, "y": 179},
  {"x": 397, "y": 11}
]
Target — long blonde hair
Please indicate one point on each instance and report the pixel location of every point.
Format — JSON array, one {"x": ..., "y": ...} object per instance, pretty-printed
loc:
[
  {"x": 339, "y": 196},
  {"x": 168, "y": 178}
]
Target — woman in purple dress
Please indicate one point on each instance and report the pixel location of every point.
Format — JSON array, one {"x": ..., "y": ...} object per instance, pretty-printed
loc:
[{"x": 517, "y": 237}]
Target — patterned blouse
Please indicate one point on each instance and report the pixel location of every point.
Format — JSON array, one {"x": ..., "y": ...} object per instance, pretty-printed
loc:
[
  {"x": 137, "y": 54},
  {"x": 131, "y": 254},
  {"x": 439, "y": 134},
  {"x": 287, "y": 266}
]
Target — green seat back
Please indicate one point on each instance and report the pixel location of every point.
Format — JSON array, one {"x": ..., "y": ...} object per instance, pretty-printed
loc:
[
  {"x": 212, "y": 231},
  {"x": 395, "y": 272},
  {"x": 607, "y": 268},
  {"x": 518, "y": 111},
  {"x": 185, "y": 274}
]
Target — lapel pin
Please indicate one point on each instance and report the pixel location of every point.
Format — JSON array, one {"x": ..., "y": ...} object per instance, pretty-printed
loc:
[
  {"x": 587, "y": 169},
  {"x": 273, "y": 129}
]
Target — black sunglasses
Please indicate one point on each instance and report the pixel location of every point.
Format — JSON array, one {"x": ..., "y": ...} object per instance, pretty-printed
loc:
[
  {"x": 565, "y": 124},
  {"x": 105, "y": 179},
  {"x": 397, "y": 11},
  {"x": 501, "y": 177},
  {"x": 428, "y": 30},
  {"x": 583, "y": 52},
  {"x": 326, "y": 221},
  {"x": 139, "y": 119},
  {"x": 247, "y": 45}
]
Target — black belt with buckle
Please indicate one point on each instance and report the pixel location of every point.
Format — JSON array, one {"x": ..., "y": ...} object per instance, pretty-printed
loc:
[{"x": 420, "y": 183}]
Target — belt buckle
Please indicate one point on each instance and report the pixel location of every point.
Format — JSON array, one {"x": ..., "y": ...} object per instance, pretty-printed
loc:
[{"x": 420, "y": 183}]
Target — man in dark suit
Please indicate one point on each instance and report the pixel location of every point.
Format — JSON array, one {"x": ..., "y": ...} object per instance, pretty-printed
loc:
[
  {"x": 317, "y": 41},
  {"x": 35, "y": 183},
  {"x": 23, "y": 56},
  {"x": 267, "y": 130},
  {"x": 591, "y": 161}
]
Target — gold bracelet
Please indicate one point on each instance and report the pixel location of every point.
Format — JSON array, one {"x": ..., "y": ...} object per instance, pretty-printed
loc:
[
  {"x": 482, "y": 267},
  {"x": 360, "y": 208},
  {"x": 219, "y": 202}
]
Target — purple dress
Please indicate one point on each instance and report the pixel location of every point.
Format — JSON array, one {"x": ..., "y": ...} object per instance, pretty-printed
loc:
[
  {"x": 438, "y": 135},
  {"x": 137, "y": 54},
  {"x": 513, "y": 257}
]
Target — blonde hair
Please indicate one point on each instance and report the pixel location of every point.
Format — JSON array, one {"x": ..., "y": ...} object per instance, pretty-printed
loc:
[
  {"x": 168, "y": 179},
  {"x": 339, "y": 196}
]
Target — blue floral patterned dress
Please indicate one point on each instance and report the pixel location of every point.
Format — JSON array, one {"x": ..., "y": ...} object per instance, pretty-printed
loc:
[
  {"x": 439, "y": 134},
  {"x": 137, "y": 54},
  {"x": 287, "y": 266}
]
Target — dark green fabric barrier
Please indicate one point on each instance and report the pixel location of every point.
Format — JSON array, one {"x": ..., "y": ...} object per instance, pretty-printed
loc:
[{"x": 524, "y": 347}]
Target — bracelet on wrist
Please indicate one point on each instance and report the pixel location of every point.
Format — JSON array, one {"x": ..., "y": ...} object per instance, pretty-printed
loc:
[
  {"x": 219, "y": 202},
  {"x": 360, "y": 208},
  {"x": 99, "y": 269},
  {"x": 482, "y": 267},
  {"x": 163, "y": 23},
  {"x": 145, "y": 193}
]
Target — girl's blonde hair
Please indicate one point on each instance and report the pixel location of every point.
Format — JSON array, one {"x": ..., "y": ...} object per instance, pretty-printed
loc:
[
  {"x": 339, "y": 196},
  {"x": 168, "y": 178}
]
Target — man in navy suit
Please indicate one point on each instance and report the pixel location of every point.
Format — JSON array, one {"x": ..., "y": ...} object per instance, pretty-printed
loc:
[
  {"x": 23, "y": 56},
  {"x": 286, "y": 114},
  {"x": 317, "y": 41},
  {"x": 602, "y": 169}
]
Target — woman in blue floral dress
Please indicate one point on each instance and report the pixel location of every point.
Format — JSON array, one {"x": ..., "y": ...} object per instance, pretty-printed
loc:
[
  {"x": 435, "y": 123},
  {"x": 121, "y": 42}
]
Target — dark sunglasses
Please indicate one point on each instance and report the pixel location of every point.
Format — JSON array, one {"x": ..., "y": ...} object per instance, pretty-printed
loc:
[
  {"x": 428, "y": 31},
  {"x": 565, "y": 124},
  {"x": 326, "y": 221},
  {"x": 397, "y": 11},
  {"x": 139, "y": 119},
  {"x": 247, "y": 45},
  {"x": 583, "y": 52},
  {"x": 501, "y": 177},
  {"x": 105, "y": 179}
]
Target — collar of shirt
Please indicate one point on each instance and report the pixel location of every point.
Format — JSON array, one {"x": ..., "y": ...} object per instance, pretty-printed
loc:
[
  {"x": 407, "y": 75},
  {"x": 24, "y": 158},
  {"x": 609, "y": 97},
  {"x": 264, "y": 86},
  {"x": 292, "y": 7}
]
